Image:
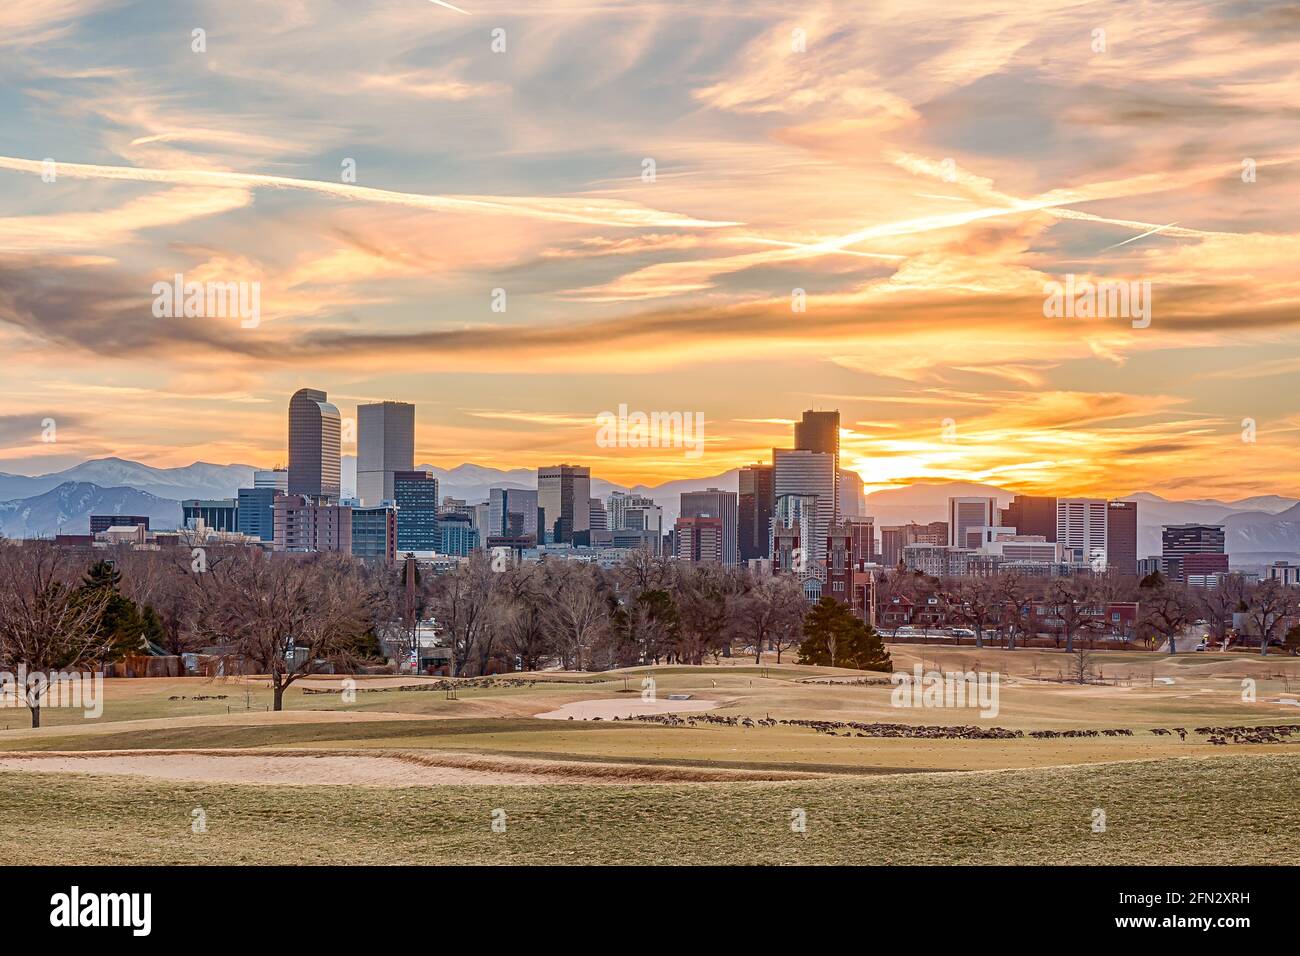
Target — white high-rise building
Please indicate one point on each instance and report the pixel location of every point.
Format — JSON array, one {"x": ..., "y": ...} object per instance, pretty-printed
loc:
[
  {"x": 1081, "y": 530},
  {"x": 793, "y": 518},
  {"x": 617, "y": 506},
  {"x": 644, "y": 517},
  {"x": 277, "y": 478},
  {"x": 385, "y": 444},
  {"x": 967, "y": 514},
  {"x": 810, "y": 474}
]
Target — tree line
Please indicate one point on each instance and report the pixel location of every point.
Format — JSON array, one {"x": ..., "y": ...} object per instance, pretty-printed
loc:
[
  {"x": 287, "y": 615},
  {"x": 1000, "y": 607}
]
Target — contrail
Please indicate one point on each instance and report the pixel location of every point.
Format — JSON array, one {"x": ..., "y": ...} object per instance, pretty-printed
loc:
[
  {"x": 743, "y": 240},
  {"x": 1149, "y": 232},
  {"x": 443, "y": 3},
  {"x": 1183, "y": 232},
  {"x": 587, "y": 210}
]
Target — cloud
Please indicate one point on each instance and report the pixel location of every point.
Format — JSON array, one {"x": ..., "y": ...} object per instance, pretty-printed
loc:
[
  {"x": 590, "y": 211},
  {"x": 919, "y": 171}
]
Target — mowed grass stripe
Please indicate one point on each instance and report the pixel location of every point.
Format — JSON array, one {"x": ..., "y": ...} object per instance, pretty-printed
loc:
[{"x": 1229, "y": 810}]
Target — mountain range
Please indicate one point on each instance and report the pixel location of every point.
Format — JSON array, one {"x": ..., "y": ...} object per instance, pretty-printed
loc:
[
  {"x": 1258, "y": 529},
  {"x": 66, "y": 509},
  {"x": 199, "y": 480}
]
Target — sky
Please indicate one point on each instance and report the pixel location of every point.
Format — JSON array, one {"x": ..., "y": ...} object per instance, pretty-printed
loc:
[{"x": 522, "y": 216}]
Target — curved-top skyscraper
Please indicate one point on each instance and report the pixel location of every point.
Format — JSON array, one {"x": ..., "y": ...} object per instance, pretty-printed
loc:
[{"x": 314, "y": 439}]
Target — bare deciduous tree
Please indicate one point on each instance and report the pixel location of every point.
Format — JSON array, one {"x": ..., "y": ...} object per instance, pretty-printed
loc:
[
  {"x": 770, "y": 614},
  {"x": 1016, "y": 598},
  {"x": 287, "y": 613},
  {"x": 576, "y": 610},
  {"x": 1070, "y": 599},
  {"x": 464, "y": 603},
  {"x": 47, "y": 624},
  {"x": 1166, "y": 610},
  {"x": 523, "y": 628},
  {"x": 1219, "y": 603},
  {"x": 976, "y": 605},
  {"x": 1268, "y": 603}
]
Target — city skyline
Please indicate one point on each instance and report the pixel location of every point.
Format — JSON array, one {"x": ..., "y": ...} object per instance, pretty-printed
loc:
[{"x": 649, "y": 242}]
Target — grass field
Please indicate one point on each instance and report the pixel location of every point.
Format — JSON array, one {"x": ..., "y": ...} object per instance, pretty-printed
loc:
[
  {"x": 1229, "y": 810},
  {"x": 866, "y": 799}
]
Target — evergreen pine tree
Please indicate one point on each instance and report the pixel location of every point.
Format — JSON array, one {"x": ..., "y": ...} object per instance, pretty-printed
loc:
[
  {"x": 121, "y": 621},
  {"x": 834, "y": 637}
]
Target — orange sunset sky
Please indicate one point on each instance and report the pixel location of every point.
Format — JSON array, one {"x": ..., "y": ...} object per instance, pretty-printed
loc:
[{"x": 920, "y": 170}]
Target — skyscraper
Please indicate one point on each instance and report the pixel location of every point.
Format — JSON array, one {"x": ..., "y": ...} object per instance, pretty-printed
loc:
[
  {"x": 563, "y": 495},
  {"x": 715, "y": 503},
  {"x": 756, "y": 500},
  {"x": 619, "y": 508},
  {"x": 507, "y": 501},
  {"x": 819, "y": 432},
  {"x": 596, "y": 515},
  {"x": 791, "y": 545},
  {"x": 1122, "y": 536},
  {"x": 315, "y": 431},
  {"x": 1183, "y": 539},
  {"x": 457, "y": 534},
  {"x": 1193, "y": 551},
  {"x": 646, "y": 519},
  {"x": 809, "y": 474},
  {"x": 481, "y": 516},
  {"x": 374, "y": 533},
  {"x": 1031, "y": 514},
  {"x": 416, "y": 494},
  {"x": 1081, "y": 530},
  {"x": 385, "y": 446},
  {"x": 851, "y": 493},
  {"x": 700, "y": 539},
  {"x": 276, "y": 478},
  {"x": 256, "y": 514},
  {"x": 964, "y": 513}
]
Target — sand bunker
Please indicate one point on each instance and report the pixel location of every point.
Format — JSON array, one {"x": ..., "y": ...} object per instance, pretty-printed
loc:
[
  {"x": 363, "y": 768},
  {"x": 268, "y": 768},
  {"x": 609, "y": 708}
]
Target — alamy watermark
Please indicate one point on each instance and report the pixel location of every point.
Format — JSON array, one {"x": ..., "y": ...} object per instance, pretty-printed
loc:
[
  {"x": 956, "y": 689},
  {"x": 75, "y": 908},
  {"x": 72, "y": 689},
  {"x": 209, "y": 300},
  {"x": 626, "y": 429},
  {"x": 1105, "y": 299}
]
